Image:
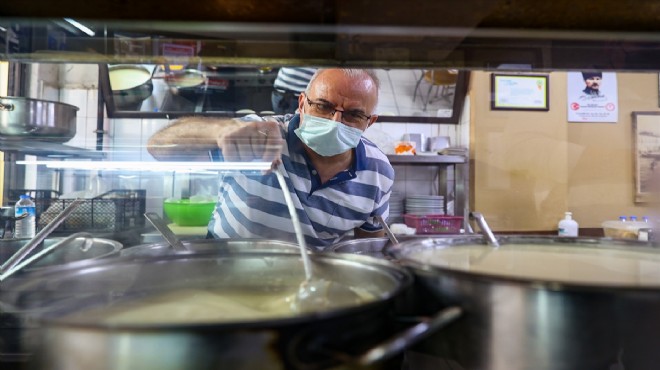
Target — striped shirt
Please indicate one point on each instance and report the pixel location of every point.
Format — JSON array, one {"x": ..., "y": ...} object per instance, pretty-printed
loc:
[
  {"x": 253, "y": 205},
  {"x": 293, "y": 79}
]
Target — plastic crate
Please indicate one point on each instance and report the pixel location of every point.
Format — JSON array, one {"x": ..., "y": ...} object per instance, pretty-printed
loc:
[
  {"x": 114, "y": 211},
  {"x": 434, "y": 224},
  {"x": 42, "y": 198}
]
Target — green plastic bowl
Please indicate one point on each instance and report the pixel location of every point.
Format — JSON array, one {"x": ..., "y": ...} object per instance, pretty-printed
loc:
[{"x": 184, "y": 213}]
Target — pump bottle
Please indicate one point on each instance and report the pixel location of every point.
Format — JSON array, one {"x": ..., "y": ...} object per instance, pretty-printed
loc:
[{"x": 568, "y": 226}]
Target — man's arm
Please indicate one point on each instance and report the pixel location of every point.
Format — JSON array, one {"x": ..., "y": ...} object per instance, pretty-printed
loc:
[{"x": 191, "y": 138}]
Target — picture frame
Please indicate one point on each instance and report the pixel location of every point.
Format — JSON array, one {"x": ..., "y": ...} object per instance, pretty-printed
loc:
[
  {"x": 646, "y": 149},
  {"x": 519, "y": 92}
]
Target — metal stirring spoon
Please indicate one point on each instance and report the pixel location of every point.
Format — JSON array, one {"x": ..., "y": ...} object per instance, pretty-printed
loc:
[
  {"x": 313, "y": 293},
  {"x": 388, "y": 231}
]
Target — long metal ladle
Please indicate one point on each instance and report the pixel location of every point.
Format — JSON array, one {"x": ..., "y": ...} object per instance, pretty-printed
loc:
[
  {"x": 387, "y": 229},
  {"x": 166, "y": 232},
  {"x": 483, "y": 225}
]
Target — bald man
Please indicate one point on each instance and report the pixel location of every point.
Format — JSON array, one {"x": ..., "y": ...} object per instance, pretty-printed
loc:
[{"x": 339, "y": 181}]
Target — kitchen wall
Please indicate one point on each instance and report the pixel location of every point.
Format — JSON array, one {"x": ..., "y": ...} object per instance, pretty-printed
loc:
[
  {"x": 125, "y": 138},
  {"x": 528, "y": 168}
]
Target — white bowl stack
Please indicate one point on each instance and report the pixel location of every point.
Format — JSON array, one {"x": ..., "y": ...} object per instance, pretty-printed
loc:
[{"x": 420, "y": 205}]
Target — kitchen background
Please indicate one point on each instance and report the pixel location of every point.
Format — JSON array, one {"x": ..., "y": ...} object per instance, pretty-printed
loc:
[
  {"x": 125, "y": 138},
  {"x": 527, "y": 168}
]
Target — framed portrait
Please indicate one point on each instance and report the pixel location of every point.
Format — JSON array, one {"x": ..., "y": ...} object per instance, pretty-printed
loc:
[
  {"x": 529, "y": 92},
  {"x": 646, "y": 146}
]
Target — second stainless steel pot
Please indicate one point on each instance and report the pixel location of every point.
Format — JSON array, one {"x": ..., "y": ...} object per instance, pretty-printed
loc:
[
  {"x": 45, "y": 120},
  {"x": 530, "y": 323},
  {"x": 131, "y": 85},
  {"x": 320, "y": 339}
]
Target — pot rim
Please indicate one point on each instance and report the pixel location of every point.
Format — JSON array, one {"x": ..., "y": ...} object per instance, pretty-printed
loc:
[
  {"x": 39, "y": 101},
  {"x": 424, "y": 269},
  {"x": 402, "y": 277}
]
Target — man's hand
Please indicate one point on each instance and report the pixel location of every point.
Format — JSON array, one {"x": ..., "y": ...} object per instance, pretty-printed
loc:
[{"x": 260, "y": 141}]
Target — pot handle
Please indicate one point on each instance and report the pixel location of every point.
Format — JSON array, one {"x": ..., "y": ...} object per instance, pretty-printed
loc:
[
  {"x": 6, "y": 107},
  {"x": 403, "y": 340}
]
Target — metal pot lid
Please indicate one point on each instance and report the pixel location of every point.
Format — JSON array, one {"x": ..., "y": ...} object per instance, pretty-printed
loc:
[
  {"x": 111, "y": 292},
  {"x": 550, "y": 261},
  {"x": 75, "y": 250}
]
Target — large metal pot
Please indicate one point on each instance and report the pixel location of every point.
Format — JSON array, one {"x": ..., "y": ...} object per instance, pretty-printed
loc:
[
  {"x": 22, "y": 118},
  {"x": 12, "y": 323},
  {"x": 189, "y": 83},
  {"x": 519, "y": 322},
  {"x": 320, "y": 339},
  {"x": 213, "y": 246},
  {"x": 130, "y": 85},
  {"x": 76, "y": 249}
]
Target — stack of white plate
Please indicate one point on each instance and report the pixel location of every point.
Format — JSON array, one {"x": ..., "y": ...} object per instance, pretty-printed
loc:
[
  {"x": 419, "y": 205},
  {"x": 396, "y": 208}
]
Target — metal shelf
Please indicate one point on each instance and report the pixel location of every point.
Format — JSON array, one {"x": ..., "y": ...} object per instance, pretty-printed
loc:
[
  {"x": 426, "y": 159},
  {"x": 48, "y": 149}
]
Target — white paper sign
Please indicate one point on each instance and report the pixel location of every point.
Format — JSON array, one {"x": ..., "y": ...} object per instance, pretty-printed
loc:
[{"x": 592, "y": 97}]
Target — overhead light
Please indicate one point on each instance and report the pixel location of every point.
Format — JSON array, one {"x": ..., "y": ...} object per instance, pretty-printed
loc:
[
  {"x": 153, "y": 166},
  {"x": 80, "y": 26}
]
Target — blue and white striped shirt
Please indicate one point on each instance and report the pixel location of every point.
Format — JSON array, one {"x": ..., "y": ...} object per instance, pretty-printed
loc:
[
  {"x": 293, "y": 79},
  {"x": 253, "y": 206}
]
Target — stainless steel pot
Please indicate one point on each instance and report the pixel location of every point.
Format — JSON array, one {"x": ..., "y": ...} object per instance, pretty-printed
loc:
[
  {"x": 189, "y": 83},
  {"x": 131, "y": 85},
  {"x": 22, "y": 118},
  {"x": 527, "y": 323},
  {"x": 212, "y": 246},
  {"x": 13, "y": 324},
  {"x": 75, "y": 250},
  {"x": 321, "y": 339}
]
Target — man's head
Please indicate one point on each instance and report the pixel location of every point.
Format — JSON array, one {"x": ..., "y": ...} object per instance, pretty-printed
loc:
[
  {"x": 333, "y": 91},
  {"x": 592, "y": 80}
]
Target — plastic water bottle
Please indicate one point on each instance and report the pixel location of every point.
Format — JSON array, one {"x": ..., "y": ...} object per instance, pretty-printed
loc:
[
  {"x": 622, "y": 218},
  {"x": 633, "y": 218},
  {"x": 25, "y": 227}
]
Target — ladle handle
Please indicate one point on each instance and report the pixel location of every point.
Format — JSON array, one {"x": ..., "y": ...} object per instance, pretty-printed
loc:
[
  {"x": 387, "y": 229},
  {"x": 165, "y": 231},
  {"x": 483, "y": 225},
  {"x": 37, "y": 239},
  {"x": 410, "y": 336}
]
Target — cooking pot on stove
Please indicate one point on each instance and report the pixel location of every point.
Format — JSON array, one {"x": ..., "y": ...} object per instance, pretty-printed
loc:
[
  {"x": 348, "y": 335},
  {"x": 130, "y": 85},
  {"x": 541, "y": 302},
  {"x": 189, "y": 83},
  {"x": 13, "y": 326}
]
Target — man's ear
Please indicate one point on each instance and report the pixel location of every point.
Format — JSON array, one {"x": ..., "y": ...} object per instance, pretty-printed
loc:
[
  {"x": 372, "y": 120},
  {"x": 301, "y": 102}
]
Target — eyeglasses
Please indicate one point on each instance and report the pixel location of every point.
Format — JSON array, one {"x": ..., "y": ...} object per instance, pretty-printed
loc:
[{"x": 327, "y": 110}]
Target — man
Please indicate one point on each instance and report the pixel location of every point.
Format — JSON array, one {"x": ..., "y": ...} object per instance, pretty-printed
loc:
[
  {"x": 592, "y": 80},
  {"x": 288, "y": 85},
  {"x": 339, "y": 181}
]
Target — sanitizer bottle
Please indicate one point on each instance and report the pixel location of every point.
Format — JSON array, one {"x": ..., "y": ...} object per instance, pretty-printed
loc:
[{"x": 568, "y": 226}]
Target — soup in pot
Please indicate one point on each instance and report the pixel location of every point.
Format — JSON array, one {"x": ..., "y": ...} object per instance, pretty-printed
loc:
[{"x": 569, "y": 264}]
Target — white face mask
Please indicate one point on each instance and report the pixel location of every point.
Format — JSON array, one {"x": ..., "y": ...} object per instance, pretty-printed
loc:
[{"x": 327, "y": 137}]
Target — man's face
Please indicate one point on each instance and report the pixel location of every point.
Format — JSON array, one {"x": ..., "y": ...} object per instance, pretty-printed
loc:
[
  {"x": 593, "y": 82},
  {"x": 341, "y": 92}
]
